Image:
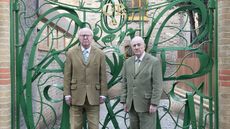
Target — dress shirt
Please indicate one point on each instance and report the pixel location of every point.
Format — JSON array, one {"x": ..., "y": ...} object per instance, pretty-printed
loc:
[
  {"x": 87, "y": 49},
  {"x": 141, "y": 57}
]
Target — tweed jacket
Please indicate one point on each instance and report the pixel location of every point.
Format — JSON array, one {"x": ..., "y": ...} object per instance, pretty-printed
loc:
[
  {"x": 81, "y": 80},
  {"x": 143, "y": 88}
]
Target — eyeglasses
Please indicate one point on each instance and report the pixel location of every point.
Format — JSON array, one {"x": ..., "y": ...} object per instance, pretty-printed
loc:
[{"x": 85, "y": 35}]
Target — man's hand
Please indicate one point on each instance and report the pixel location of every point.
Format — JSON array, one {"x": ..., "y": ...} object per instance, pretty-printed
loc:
[
  {"x": 152, "y": 108},
  {"x": 125, "y": 107},
  {"x": 68, "y": 100},
  {"x": 102, "y": 99}
]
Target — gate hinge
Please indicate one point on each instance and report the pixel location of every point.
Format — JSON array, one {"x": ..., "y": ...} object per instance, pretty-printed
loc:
[
  {"x": 15, "y": 7},
  {"x": 212, "y": 4}
]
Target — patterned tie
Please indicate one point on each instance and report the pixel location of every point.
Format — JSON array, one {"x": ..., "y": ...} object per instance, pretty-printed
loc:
[
  {"x": 85, "y": 56},
  {"x": 137, "y": 64}
]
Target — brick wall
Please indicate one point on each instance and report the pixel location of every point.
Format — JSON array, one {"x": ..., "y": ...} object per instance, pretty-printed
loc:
[
  {"x": 224, "y": 62},
  {"x": 5, "y": 102}
]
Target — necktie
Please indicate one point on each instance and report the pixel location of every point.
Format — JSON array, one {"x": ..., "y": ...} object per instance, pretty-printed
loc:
[
  {"x": 85, "y": 56},
  {"x": 137, "y": 64}
]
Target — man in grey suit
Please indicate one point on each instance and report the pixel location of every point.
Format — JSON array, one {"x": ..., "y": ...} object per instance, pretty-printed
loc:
[
  {"x": 142, "y": 86},
  {"x": 85, "y": 81}
]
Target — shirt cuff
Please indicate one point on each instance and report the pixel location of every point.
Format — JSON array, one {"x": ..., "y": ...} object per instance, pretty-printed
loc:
[
  {"x": 154, "y": 104},
  {"x": 67, "y": 97},
  {"x": 103, "y": 97}
]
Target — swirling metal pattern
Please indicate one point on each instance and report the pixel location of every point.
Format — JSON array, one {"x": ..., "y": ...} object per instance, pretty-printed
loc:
[{"x": 115, "y": 25}]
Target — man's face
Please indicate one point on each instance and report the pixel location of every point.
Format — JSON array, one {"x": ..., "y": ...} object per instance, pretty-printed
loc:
[
  {"x": 138, "y": 47},
  {"x": 85, "y": 37}
]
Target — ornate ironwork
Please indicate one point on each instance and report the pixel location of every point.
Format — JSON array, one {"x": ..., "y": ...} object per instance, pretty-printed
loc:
[{"x": 39, "y": 94}]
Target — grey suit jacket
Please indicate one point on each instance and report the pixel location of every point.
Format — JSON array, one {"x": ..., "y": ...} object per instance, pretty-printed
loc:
[
  {"x": 143, "y": 88},
  {"x": 81, "y": 80}
]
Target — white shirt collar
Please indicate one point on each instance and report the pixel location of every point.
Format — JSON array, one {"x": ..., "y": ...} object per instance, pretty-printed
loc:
[
  {"x": 88, "y": 49},
  {"x": 142, "y": 56}
]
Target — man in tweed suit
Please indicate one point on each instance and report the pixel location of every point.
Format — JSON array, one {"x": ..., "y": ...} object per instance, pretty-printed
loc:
[
  {"x": 85, "y": 81},
  {"x": 142, "y": 86}
]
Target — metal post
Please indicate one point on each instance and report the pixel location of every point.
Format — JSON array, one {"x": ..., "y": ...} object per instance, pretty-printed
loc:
[
  {"x": 216, "y": 67},
  {"x": 14, "y": 40},
  {"x": 210, "y": 82},
  {"x": 12, "y": 67}
]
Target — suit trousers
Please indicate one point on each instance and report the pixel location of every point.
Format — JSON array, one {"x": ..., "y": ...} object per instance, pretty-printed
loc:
[
  {"x": 142, "y": 120},
  {"x": 92, "y": 113}
]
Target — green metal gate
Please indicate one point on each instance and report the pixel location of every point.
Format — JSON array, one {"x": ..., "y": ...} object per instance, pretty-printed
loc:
[{"x": 182, "y": 33}]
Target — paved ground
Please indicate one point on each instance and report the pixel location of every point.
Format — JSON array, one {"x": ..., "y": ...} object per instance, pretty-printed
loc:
[{"x": 166, "y": 122}]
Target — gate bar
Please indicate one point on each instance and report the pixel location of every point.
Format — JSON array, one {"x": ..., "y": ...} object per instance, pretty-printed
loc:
[
  {"x": 12, "y": 66},
  {"x": 216, "y": 100}
]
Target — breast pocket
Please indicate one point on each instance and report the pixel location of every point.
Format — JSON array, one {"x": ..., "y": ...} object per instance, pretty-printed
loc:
[
  {"x": 98, "y": 86},
  {"x": 94, "y": 68},
  {"x": 73, "y": 84},
  {"x": 145, "y": 74},
  {"x": 148, "y": 96}
]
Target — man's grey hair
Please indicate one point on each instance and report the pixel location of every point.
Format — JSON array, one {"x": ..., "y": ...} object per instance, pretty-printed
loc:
[
  {"x": 79, "y": 32},
  {"x": 137, "y": 38}
]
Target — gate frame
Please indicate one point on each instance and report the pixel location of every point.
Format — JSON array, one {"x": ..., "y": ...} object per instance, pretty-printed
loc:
[{"x": 14, "y": 43}]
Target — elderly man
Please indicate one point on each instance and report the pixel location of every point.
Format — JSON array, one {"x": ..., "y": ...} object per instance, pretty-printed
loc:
[
  {"x": 85, "y": 81},
  {"x": 142, "y": 86}
]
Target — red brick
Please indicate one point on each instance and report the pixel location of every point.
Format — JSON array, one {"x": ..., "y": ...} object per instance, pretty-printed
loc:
[
  {"x": 226, "y": 16},
  {"x": 4, "y": 0},
  {"x": 4, "y": 70},
  {"x": 226, "y": 34},
  {"x": 224, "y": 41},
  {"x": 225, "y": 71},
  {"x": 225, "y": 83},
  {"x": 4, "y": 64},
  {"x": 5, "y": 76},
  {"x": 4, "y": 82}
]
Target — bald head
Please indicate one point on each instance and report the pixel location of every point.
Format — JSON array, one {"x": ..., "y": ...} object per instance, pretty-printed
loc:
[
  {"x": 85, "y": 30},
  {"x": 138, "y": 45},
  {"x": 85, "y": 37},
  {"x": 137, "y": 39}
]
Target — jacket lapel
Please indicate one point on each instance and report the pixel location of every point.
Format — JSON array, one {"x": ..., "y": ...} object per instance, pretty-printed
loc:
[
  {"x": 143, "y": 64},
  {"x": 132, "y": 66},
  {"x": 78, "y": 53},
  {"x": 92, "y": 55}
]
